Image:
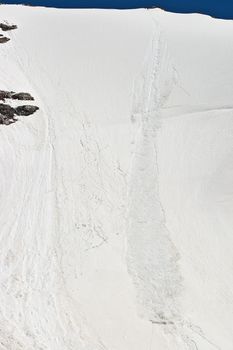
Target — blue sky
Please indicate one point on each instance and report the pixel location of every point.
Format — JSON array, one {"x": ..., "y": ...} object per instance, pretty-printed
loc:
[{"x": 216, "y": 8}]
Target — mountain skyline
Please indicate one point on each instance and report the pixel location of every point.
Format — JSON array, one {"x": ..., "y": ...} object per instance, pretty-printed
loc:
[{"x": 215, "y": 8}]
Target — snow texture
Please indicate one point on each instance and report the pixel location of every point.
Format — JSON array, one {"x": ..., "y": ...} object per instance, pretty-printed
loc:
[{"x": 116, "y": 196}]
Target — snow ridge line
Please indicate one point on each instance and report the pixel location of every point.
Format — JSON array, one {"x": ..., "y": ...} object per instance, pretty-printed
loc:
[{"x": 152, "y": 258}]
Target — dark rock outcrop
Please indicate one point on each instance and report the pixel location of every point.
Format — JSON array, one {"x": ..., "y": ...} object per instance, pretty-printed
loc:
[
  {"x": 23, "y": 96},
  {"x": 6, "y": 120},
  {"x": 7, "y": 113},
  {"x": 3, "y": 39},
  {"x": 26, "y": 110},
  {"x": 7, "y": 110},
  {"x": 5, "y": 27},
  {"x": 5, "y": 95}
]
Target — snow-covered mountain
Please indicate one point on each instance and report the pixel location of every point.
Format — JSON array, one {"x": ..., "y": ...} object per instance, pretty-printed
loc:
[{"x": 116, "y": 196}]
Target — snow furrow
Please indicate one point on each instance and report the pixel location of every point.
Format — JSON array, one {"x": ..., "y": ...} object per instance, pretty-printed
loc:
[{"x": 152, "y": 256}]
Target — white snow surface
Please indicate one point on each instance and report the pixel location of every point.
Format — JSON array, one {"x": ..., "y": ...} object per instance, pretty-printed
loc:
[{"x": 116, "y": 196}]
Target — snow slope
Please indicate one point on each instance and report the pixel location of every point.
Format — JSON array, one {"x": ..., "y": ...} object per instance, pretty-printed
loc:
[{"x": 117, "y": 195}]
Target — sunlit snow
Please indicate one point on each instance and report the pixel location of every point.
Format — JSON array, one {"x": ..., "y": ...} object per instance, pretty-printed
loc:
[{"x": 116, "y": 196}]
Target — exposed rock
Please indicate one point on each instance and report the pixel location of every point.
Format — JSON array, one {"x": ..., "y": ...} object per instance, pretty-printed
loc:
[
  {"x": 26, "y": 110},
  {"x": 5, "y": 27},
  {"x": 22, "y": 96},
  {"x": 3, "y": 39},
  {"x": 7, "y": 110},
  {"x": 7, "y": 113},
  {"x": 5, "y": 94},
  {"x": 6, "y": 121}
]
